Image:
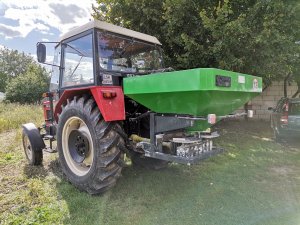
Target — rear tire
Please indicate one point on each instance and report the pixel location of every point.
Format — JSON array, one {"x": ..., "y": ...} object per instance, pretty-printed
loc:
[{"x": 88, "y": 147}]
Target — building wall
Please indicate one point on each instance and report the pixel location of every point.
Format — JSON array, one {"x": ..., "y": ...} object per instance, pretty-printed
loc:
[{"x": 269, "y": 98}]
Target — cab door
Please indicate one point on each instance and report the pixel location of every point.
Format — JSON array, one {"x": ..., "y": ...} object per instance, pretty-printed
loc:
[{"x": 55, "y": 74}]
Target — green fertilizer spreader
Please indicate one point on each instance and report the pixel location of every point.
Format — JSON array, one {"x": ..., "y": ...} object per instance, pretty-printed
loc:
[{"x": 196, "y": 92}]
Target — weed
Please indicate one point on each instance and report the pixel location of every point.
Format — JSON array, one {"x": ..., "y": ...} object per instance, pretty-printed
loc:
[{"x": 12, "y": 116}]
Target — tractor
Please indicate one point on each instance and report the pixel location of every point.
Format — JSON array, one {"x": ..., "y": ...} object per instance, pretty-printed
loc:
[{"x": 111, "y": 96}]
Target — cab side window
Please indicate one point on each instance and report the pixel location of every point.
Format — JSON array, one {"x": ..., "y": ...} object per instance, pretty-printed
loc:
[
  {"x": 55, "y": 70},
  {"x": 78, "y": 64}
]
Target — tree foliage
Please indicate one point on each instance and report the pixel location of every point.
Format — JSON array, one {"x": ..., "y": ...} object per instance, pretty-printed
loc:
[
  {"x": 260, "y": 40},
  {"x": 21, "y": 77},
  {"x": 249, "y": 36},
  {"x": 29, "y": 86},
  {"x": 12, "y": 64}
]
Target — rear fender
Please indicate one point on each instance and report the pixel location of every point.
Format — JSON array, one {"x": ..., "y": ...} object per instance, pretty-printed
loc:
[{"x": 112, "y": 109}]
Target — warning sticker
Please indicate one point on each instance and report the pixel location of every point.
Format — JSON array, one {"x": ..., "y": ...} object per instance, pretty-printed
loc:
[
  {"x": 241, "y": 79},
  {"x": 255, "y": 84},
  {"x": 107, "y": 79}
]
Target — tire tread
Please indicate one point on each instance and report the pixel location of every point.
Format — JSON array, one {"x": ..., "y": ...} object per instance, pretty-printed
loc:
[{"x": 108, "y": 153}]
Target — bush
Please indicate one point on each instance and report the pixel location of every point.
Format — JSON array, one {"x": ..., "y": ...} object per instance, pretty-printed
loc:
[{"x": 28, "y": 87}]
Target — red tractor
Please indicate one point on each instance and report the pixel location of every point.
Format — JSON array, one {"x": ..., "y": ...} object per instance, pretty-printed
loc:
[{"x": 100, "y": 106}]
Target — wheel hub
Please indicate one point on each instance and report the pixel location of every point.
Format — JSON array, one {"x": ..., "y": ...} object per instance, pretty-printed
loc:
[
  {"x": 27, "y": 147},
  {"x": 78, "y": 146}
]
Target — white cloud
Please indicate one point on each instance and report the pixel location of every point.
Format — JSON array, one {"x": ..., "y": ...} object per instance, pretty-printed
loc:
[
  {"x": 8, "y": 31},
  {"x": 40, "y": 15}
]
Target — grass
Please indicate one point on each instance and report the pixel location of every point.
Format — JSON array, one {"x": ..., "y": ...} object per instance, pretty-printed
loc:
[
  {"x": 255, "y": 181},
  {"x": 13, "y": 115}
]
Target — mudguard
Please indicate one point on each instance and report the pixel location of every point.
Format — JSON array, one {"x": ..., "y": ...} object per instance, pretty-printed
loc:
[{"x": 112, "y": 109}]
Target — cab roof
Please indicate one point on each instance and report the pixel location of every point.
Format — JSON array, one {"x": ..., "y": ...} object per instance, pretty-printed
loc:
[{"x": 111, "y": 28}]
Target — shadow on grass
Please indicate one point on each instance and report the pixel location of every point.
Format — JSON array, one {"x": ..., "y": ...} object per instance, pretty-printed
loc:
[
  {"x": 35, "y": 171},
  {"x": 54, "y": 167},
  {"x": 137, "y": 191},
  {"x": 231, "y": 189},
  {"x": 290, "y": 142}
]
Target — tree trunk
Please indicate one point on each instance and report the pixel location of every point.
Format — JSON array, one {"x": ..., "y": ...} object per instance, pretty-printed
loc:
[
  {"x": 298, "y": 91},
  {"x": 286, "y": 79},
  {"x": 267, "y": 83}
]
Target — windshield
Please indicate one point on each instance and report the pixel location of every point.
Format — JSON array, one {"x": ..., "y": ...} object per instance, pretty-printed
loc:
[{"x": 127, "y": 55}]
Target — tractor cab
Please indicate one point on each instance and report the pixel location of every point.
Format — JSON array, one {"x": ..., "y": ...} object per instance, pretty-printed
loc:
[
  {"x": 96, "y": 54},
  {"x": 99, "y": 53}
]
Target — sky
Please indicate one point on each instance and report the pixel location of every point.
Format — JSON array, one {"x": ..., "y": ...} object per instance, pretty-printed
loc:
[{"x": 25, "y": 22}]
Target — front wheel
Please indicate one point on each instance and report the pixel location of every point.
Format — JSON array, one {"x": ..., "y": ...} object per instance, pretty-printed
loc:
[
  {"x": 89, "y": 147},
  {"x": 33, "y": 144},
  {"x": 33, "y": 155}
]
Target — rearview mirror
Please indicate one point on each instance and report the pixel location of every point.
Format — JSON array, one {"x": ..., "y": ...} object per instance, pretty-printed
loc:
[{"x": 41, "y": 52}]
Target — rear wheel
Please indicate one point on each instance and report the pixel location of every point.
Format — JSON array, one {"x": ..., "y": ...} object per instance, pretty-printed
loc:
[{"x": 89, "y": 147}]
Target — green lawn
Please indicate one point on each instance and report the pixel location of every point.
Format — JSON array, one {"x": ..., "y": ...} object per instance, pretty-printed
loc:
[{"x": 255, "y": 181}]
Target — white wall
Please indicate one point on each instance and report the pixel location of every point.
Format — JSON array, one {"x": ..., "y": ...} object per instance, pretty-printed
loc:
[{"x": 269, "y": 98}]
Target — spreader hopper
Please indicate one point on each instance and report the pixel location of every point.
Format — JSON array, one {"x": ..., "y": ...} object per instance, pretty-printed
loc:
[{"x": 195, "y": 92}]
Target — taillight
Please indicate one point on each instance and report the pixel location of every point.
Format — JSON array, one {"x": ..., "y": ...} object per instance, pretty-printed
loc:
[
  {"x": 109, "y": 94},
  {"x": 47, "y": 111},
  {"x": 284, "y": 119}
]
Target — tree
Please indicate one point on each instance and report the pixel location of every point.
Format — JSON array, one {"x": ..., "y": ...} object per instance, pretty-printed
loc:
[
  {"x": 170, "y": 21},
  {"x": 259, "y": 41},
  {"x": 12, "y": 64},
  {"x": 249, "y": 36},
  {"x": 28, "y": 87},
  {"x": 3, "y": 80},
  {"x": 21, "y": 77}
]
